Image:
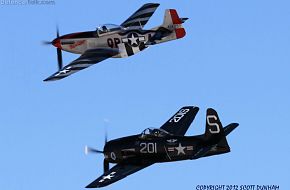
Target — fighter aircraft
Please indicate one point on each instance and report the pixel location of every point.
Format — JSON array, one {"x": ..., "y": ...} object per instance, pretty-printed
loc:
[
  {"x": 116, "y": 41},
  {"x": 166, "y": 144}
]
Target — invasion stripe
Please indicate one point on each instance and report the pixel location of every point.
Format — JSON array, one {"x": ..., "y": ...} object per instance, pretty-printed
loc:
[
  {"x": 136, "y": 23},
  {"x": 149, "y": 5},
  {"x": 83, "y": 65},
  {"x": 142, "y": 23},
  {"x": 138, "y": 19},
  {"x": 77, "y": 68},
  {"x": 56, "y": 77},
  {"x": 146, "y": 15},
  {"x": 149, "y": 14},
  {"x": 142, "y": 46},
  {"x": 129, "y": 49},
  {"x": 142, "y": 12}
]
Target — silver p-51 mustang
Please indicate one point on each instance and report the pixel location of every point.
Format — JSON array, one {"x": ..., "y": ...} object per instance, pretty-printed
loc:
[{"x": 116, "y": 41}]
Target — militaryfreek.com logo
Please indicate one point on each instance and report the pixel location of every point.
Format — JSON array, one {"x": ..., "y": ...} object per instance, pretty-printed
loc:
[{"x": 26, "y": 2}]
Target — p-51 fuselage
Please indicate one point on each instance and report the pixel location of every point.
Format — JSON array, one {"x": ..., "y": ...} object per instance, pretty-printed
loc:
[{"x": 127, "y": 41}]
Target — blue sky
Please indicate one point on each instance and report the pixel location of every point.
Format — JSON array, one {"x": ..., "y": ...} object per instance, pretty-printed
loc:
[{"x": 234, "y": 58}]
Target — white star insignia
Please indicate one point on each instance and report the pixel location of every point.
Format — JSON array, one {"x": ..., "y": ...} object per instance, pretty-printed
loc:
[
  {"x": 133, "y": 40},
  {"x": 180, "y": 149},
  {"x": 63, "y": 71},
  {"x": 110, "y": 176}
]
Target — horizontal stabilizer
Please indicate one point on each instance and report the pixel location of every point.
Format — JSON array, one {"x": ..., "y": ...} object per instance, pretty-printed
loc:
[
  {"x": 183, "y": 20},
  {"x": 229, "y": 128}
]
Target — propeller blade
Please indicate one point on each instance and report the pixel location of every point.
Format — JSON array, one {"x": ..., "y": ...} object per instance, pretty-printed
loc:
[
  {"x": 59, "y": 58},
  {"x": 59, "y": 53},
  {"x": 92, "y": 150},
  {"x": 106, "y": 165},
  {"x": 46, "y": 42},
  {"x": 57, "y": 32},
  {"x": 106, "y": 137},
  {"x": 106, "y": 121}
]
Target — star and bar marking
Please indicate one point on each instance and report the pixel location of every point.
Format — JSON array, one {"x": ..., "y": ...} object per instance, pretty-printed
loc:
[
  {"x": 133, "y": 39},
  {"x": 180, "y": 149}
]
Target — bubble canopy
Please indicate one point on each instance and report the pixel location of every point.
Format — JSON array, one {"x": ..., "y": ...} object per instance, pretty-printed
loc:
[
  {"x": 108, "y": 28},
  {"x": 156, "y": 132}
]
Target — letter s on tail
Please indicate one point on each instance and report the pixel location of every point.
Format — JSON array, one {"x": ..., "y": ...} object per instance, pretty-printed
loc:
[{"x": 214, "y": 128}]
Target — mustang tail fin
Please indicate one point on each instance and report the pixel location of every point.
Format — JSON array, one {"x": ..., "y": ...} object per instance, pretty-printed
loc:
[
  {"x": 171, "y": 29},
  {"x": 173, "y": 23}
]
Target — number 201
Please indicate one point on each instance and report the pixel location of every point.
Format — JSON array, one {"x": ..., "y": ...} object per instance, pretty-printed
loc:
[{"x": 150, "y": 148}]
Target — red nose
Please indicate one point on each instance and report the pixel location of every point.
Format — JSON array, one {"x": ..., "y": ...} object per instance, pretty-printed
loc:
[{"x": 56, "y": 43}]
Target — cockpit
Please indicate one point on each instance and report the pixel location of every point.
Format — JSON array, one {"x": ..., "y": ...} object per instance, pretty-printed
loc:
[
  {"x": 154, "y": 132},
  {"x": 108, "y": 28}
]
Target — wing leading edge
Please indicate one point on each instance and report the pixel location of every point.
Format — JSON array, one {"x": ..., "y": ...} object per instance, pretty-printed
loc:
[
  {"x": 179, "y": 123},
  {"x": 116, "y": 173},
  {"x": 141, "y": 16},
  {"x": 89, "y": 58}
]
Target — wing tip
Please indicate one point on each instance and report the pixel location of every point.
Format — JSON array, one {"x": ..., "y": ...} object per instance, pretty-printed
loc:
[
  {"x": 156, "y": 4},
  {"x": 192, "y": 107},
  {"x": 47, "y": 79},
  {"x": 51, "y": 78},
  {"x": 90, "y": 186},
  {"x": 93, "y": 185}
]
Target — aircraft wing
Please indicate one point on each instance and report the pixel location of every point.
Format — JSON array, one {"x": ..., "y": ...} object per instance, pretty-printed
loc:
[
  {"x": 88, "y": 58},
  {"x": 141, "y": 16},
  {"x": 180, "y": 122},
  {"x": 116, "y": 173}
]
